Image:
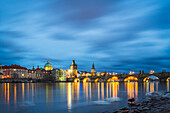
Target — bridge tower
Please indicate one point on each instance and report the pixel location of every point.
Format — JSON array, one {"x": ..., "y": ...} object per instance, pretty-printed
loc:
[
  {"x": 93, "y": 70},
  {"x": 73, "y": 69}
]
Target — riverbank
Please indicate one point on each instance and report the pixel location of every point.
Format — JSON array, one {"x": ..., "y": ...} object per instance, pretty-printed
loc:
[{"x": 149, "y": 106}]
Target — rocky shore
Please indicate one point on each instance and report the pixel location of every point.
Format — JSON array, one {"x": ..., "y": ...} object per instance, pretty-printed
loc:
[{"x": 155, "y": 104}]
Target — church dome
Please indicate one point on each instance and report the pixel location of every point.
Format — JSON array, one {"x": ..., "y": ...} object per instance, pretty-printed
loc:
[{"x": 48, "y": 66}]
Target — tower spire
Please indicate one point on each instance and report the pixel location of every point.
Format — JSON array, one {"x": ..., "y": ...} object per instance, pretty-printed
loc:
[{"x": 93, "y": 66}]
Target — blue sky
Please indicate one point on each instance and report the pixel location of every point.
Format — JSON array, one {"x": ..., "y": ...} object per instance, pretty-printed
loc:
[{"x": 117, "y": 35}]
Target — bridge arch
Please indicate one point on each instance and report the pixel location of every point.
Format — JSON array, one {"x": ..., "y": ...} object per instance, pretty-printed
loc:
[
  {"x": 96, "y": 80},
  {"x": 76, "y": 80},
  {"x": 168, "y": 79},
  {"x": 144, "y": 80},
  {"x": 114, "y": 78},
  {"x": 86, "y": 79},
  {"x": 130, "y": 78}
]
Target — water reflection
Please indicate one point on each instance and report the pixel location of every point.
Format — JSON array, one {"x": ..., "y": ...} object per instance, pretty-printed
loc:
[
  {"x": 167, "y": 86},
  {"x": 15, "y": 94},
  {"x": 115, "y": 89},
  {"x": 132, "y": 89},
  {"x": 23, "y": 91},
  {"x": 71, "y": 94},
  {"x": 151, "y": 86}
]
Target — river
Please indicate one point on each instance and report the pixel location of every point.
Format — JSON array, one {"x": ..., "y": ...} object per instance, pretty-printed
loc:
[{"x": 71, "y": 97}]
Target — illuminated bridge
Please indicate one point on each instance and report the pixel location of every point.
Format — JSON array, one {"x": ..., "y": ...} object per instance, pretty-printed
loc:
[{"x": 142, "y": 77}]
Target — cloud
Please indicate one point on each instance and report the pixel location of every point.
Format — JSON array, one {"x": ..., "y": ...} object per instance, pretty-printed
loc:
[{"x": 117, "y": 35}]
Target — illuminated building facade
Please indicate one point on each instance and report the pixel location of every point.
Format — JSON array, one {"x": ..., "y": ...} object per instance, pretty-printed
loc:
[
  {"x": 93, "y": 70},
  {"x": 73, "y": 69},
  {"x": 35, "y": 73},
  {"x": 48, "y": 66},
  {"x": 15, "y": 71},
  {"x": 60, "y": 74}
]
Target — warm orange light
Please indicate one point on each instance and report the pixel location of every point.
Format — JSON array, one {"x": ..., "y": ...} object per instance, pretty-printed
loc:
[
  {"x": 114, "y": 78},
  {"x": 76, "y": 80},
  {"x": 151, "y": 71},
  {"x": 131, "y": 72},
  {"x": 131, "y": 78},
  {"x": 96, "y": 80},
  {"x": 86, "y": 79}
]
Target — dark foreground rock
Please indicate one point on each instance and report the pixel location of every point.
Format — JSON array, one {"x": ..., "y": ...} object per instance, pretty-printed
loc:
[{"x": 151, "y": 106}]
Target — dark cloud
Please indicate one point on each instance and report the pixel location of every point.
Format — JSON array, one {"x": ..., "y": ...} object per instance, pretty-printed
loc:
[{"x": 117, "y": 35}]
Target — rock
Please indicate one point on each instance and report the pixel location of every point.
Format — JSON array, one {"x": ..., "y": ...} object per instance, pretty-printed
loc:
[
  {"x": 161, "y": 107},
  {"x": 131, "y": 100},
  {"x": 131, "y": 103},
  {"x": 146, "y": 108},
  {"x": 167, "y": 95},
  {"x": 125, "y": 111},
  {"x": 154, "y": 95}
]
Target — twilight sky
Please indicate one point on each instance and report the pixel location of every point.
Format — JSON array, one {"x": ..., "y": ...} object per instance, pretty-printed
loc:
[{"x": 117, "y": 35}]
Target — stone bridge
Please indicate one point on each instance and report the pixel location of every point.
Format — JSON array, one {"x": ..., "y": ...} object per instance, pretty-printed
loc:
[{"x": 163, "y": 77}]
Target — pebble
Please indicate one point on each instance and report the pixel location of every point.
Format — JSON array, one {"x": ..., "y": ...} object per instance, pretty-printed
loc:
[{"x": 151, "y": 106}]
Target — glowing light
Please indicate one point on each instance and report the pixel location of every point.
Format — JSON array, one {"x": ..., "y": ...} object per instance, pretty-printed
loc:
[
  {"x": 130, "y": 78},
  {"x": 23, "y": 91},
  {"x": 131, "y": 72},
  {"x": 69, "y": 95},
  {"x": 98, "y": 91},
  {"x": 107, "y": 90},
  {"x": 96, "y": 80},
  {"x": 76, "y": 80},
  {"x": 102, "y": 90},
  {"x": 15, "y": 94},
  {"x": 114, "y": 78},
  {"x": 151, "y": 71},
  {"x": 86, "y": 79},
  {"x": 146, "y": 79},
  {"x": 168, "y": 79},
  {"x": 132, "y": 89},
  {"x": 115, "y": 87},
  {"x": 8, "y": 93}
]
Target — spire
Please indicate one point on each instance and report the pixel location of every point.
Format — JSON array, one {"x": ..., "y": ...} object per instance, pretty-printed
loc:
[
  {"x": 33, "y": 67},
  {"x": 93, "y": 66},
  {"x": 73, "y": 62},
  {"x": 38, "y": 66}
]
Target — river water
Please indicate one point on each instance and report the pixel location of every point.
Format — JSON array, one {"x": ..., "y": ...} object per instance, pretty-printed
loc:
[{"x": 72, "y": 97}]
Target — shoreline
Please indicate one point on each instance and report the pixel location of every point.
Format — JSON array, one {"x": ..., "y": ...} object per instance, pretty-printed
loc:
[{"x": 147, "y": 106}]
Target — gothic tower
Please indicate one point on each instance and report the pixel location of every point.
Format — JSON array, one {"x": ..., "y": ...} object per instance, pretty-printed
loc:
[
  {"x": 73, "y": 69},
  {"x": 93, "y": 70}
]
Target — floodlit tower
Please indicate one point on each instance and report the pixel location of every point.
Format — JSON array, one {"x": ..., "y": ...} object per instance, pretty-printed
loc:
[
  {"x": 93, "y": 70},
  {"x": 73, "y": 69}
]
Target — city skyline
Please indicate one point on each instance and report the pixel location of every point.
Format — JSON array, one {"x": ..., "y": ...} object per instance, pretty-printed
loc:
[{"x": 118, "y": 36}]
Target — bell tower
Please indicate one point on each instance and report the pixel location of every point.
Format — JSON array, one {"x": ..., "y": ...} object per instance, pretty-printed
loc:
[
  {"x": 93, "y": 70},
  {"x": 73, "y": 69}
]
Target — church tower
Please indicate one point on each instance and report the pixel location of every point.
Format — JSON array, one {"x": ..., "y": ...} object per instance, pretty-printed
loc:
[
  {"x": 93, "y": 70},
  {"x": 48, "y": 66},
  {"x": 73, "y": 69}
]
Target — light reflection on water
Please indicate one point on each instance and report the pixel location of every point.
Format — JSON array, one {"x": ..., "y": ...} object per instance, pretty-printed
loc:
[{"x": 71, "y": 97}]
